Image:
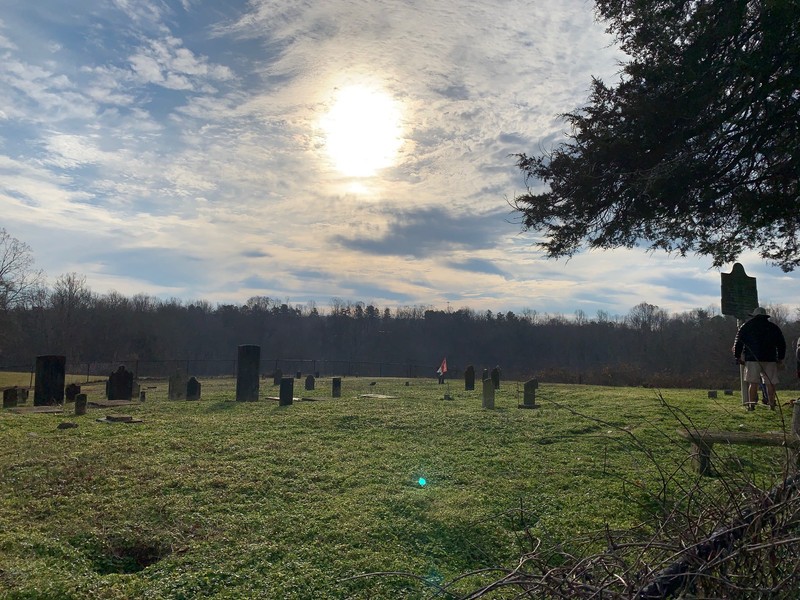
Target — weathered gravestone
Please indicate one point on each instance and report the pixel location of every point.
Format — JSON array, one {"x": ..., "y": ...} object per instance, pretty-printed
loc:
[
  {"x": 277, "y": 376},
  {"x": 249, "y": 358},
  {"x": 120, "y": 384},
  {"x": 298, "y": 375},
  {"x": 193, "y": 389},
  {"x": 488, "y": 393},
  {"x": 712, "y": 393},
  {"x": 496, "y": 377},
  {"x": 336, "y": 389},
  {"x": 177, "y": 385},
  {"x": 49, "y": 388},
  {"x": 80, "y": 404},
  {"x": 529, "y": 394},
  {"x": 72, "y": 390},
  {"x": 310, "y": 382},
  {"x": 286, "y": 395},
  {"x": 10, "y": 397},
  {"x": 485, "y": 374},
  {"x": 469, "y": 378}
]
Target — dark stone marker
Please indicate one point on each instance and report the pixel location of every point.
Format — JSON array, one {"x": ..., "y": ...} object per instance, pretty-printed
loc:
[
  {"x": 80, "y": 404},
  {"x": 22, "y": 395},
  {"x": 177, "y": 386},
  {"x": 469, "y": 378},
  {"x": 485, "y": 374},
  {"x": 529, "y": 394},
  {"x": 120, "y": 385},
  {"x": 298, "y": 375},
  {"x": 277, "y": 376},
  {"x": 287, "y": 391},
  {"x": 10, "y": 397},
  {"x": 142, "y": 396},
  {"x": 193, "y": 388},
  {"x": 496, "y": 377},
  {"x": 488, "y": 393},
  {"x": 336, "y": 390},
  {"x": 310, "y": 382},
  {"x": 249, "y": 358},
  {"x": 72, "y": 390},
  {"x": 729, "y": 392},
  {"x": 712, "y": 393},
  {"x": 49, "y": 388}
]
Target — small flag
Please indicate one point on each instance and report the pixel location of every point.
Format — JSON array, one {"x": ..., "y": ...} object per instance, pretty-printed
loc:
[{"x": 443, "y": 368}]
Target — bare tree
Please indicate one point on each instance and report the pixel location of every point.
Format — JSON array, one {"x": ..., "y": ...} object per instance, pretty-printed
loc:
[{"x": 18, "y": 279}]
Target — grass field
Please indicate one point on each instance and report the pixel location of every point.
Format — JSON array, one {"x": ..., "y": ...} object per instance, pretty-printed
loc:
[{"x": 252, "y": 500}]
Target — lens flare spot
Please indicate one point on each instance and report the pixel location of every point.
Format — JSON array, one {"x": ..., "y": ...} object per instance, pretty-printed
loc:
[{"x": 422, "y": 481}]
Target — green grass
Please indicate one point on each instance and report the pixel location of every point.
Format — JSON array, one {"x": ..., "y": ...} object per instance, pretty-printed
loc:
[{"x": 242, "y": 500}]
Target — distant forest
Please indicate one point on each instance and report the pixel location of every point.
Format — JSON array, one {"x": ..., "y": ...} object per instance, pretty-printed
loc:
[{"x": 647, "y": 346}]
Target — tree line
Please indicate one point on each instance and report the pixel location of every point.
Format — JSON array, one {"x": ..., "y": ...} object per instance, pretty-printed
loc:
[{"x": 647, "y": 346}]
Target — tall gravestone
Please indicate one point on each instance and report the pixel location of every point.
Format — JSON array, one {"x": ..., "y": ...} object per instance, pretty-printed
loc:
[
  {"x": 177, "y": 385},
  {"x": 247, "y": 367},
  {"x": 49, "y": 388},
  {"x": 496, "y": 377},
  {"x": 738, "y": 298},
  {"x": 485, "y": 374},
  {"x": 285, "y": 398},
  {"x": 529, "y": 394},
  {"x": 469, "y": 378},
  {"x": 310, "y": 382},
  {"x": 488, "y": 393},
  {"x": 193, "y": 388},
  {"x": 336, "y": 387},
  {"x": 120, "y": 385}
]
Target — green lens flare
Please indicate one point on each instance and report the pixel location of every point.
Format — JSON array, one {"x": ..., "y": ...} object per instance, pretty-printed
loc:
[{"x": 422, "y": 482}]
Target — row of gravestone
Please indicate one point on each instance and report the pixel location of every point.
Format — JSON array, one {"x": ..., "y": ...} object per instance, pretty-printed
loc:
[{"x": 469, "y": 377}]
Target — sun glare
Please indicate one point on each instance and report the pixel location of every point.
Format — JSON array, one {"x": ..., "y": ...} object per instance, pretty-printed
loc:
[{"x": 362, "y": 131}]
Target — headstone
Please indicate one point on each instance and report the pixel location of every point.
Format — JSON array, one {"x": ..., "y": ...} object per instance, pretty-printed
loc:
[
  {"x": 310, "y": 382},
  {"x": 496, "y": 377},
  {"x": 49, "y": 388},
  {"x": 193, "y": 388},
  {"x": 177, "y": 385},
  {"x": 485, "y": 374},
  {"x": 529, "y": 394},
  {"x": 277, "y": 376},
  {"x": 729, "y": 392},
  {"x": 135, "y": 389},
  {"x": 336, "y": 391},
  {"x": 72, "y": 390},
  {"x": 10, "y": 397},
  {"x": 712, "y": 393},
  {"x": 249, "y": 358},
  {"x": 120, "y": 385},
  {"x": 287, "y": 391},
  {"x": 298, "y": 375},
  {"x": 739, "y": 293},
  {"x": 80, "y": 404},
  {"x": 22, "y": 395},
  {"x": 469, "y": 378},
  {"x": 142, "y": 396},
  {"x": 488, "y": 393}
]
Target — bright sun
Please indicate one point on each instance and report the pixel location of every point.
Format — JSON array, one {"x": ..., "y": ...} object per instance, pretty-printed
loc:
[{"x": 363, "y": 131}]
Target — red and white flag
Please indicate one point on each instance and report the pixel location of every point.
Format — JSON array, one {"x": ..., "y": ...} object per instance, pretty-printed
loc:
[{"x": 443, "y": 368}]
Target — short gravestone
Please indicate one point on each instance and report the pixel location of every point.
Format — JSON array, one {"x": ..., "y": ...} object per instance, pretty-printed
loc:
[
  {"x": 469, "y": 378},
  {"x": 336, "y": 387},
  {"x": 310, "y": 382},
  {"x": 49, "y": 388},
  {"x": 193, "y": 388},
  {"x": 286, "y": 395},
  {"x": 298, "y": 375},
  {"x": 529, "y": 394},
  {"x": 10, "y": 396},
  {"x": 488, "y": 393},
  {"x": 142, "y": 396},
  {"x": 22, "y": 395},
  {"x": 249, "y": 359},
  {"x": 135, "y": 389},
  {"x": 277, "y": 376},
  {"x": 80, "y": 404},
  {"x": 177, "y": 385},
  {"x": 72, "y": 390},
  {"x": 729, "y": 392},
  {"x": 712, "y": 393},
  {"x": 496, "y": 377},
  {"x": 120, "y": 385}
]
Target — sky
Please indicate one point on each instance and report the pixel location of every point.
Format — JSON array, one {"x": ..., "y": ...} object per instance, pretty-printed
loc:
[{"x": 309, "y": 150}]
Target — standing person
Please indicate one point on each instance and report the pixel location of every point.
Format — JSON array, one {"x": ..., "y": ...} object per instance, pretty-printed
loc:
[{"x": 760, "y": 347}]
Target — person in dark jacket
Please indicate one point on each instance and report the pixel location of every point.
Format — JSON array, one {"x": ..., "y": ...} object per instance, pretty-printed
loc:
[{"x": 761, "y": 348}]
